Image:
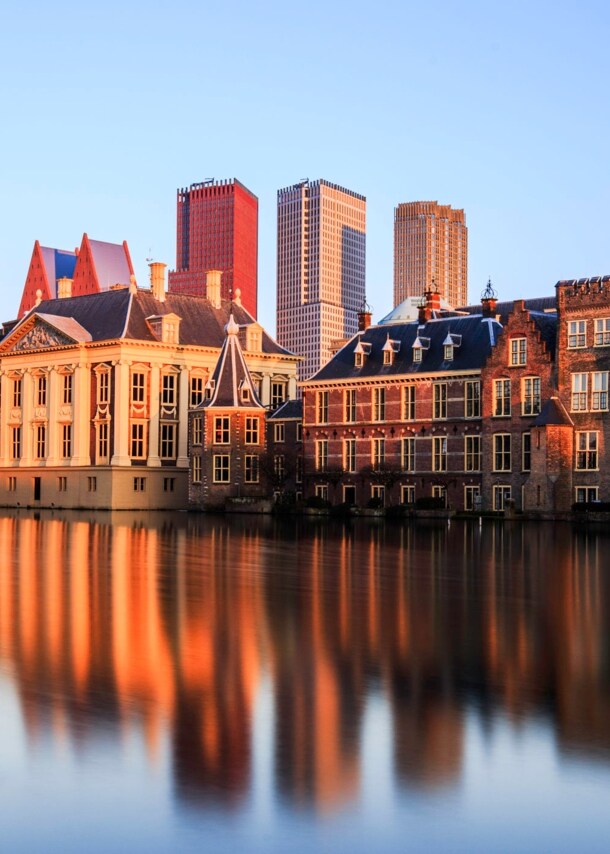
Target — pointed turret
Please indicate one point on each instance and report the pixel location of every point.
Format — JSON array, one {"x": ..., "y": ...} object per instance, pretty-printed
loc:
[{"x": 231, "y": 384}]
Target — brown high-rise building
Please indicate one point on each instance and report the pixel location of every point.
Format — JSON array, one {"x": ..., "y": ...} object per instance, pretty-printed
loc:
[
  {"x": 430, "y": 251},
  {"x": 217, "y": 229}
]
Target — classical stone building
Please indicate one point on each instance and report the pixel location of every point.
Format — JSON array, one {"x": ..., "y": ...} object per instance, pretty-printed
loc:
[{"x": 96, "y": 389}]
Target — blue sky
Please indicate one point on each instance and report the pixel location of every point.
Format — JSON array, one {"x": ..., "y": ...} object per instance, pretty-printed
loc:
[{"x": 502, "y": 109}]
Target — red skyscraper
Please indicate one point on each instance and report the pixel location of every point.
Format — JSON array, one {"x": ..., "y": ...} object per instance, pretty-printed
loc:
[{"x": 217, "y": 229}]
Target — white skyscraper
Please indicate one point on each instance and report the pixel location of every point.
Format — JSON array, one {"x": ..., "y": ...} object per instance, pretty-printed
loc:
[{"x": 321, "y": 256}]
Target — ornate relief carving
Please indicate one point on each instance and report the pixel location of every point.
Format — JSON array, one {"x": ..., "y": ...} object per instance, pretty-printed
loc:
[{"x": 40, "y": 336}]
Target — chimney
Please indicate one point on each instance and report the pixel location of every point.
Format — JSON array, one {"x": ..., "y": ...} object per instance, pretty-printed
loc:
[
  {"x": 64, "y": 288},
  {"x": 212, "y": 287},
  {"x": 365, "y": 315},
  {"x": 431, "y": 302},
  {"x": 157, "y": 280}
]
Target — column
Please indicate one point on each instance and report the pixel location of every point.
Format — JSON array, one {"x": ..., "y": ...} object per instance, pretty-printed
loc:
[
  {"x": 266, "y": 390},
  {"x": 120, "y": 397},
  {"x": 81, "y": 415},
  {"x": 5, "y": 411},
  {"x": 153, "y": 417},
  {"x": 27, "y": 412},
  {"x": 183, "y": 419},
  {"x": 292, "y": 388}
]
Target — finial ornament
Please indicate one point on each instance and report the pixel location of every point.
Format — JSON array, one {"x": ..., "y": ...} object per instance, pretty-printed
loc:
[
  {"x": 489, "y": 292},
  {"x": 365, "y": 308},
  {"x": 232, "y": 328}
]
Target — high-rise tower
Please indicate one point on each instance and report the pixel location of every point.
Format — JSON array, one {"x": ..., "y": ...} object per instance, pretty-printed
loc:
[
  {"x": 321, "y": 255},
  {"x": 430, "y": 244},
  {"x": 217, "y": 229}
]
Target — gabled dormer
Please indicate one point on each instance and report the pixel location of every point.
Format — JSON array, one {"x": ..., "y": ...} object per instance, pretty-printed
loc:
[
  {"x": 389, "y": 350},
  {"x": 420, "y": 344},
  {"x": 165, "y": 327},
  {"x": 449, "y": 344},
  {"x": 361, "y": 351}
]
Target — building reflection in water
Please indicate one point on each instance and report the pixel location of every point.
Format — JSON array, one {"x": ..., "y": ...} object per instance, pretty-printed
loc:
[{"x": 169, "y": 629}]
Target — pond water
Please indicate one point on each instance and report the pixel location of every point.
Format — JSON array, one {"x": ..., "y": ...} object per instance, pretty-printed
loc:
[{"x": 191, "y": 683}]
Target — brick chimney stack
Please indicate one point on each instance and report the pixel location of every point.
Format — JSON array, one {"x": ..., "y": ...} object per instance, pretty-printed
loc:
[{"x": 431, "y": 302}]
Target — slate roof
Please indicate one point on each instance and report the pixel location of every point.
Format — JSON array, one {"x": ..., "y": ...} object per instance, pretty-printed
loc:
[
  {"x": 231, "y": 376},
  {"x": 290, "y": 409},
  {"x": 117, "y": 314},
  {"x": 553, "y": 412},
  {"x": 479, "y": 334},
  {"x": 547, "y": 326},
  {"x": 542, "y": 304}
]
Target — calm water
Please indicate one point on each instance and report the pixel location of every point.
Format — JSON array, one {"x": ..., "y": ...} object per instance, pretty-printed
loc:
[{"x": 178, "y": 683}]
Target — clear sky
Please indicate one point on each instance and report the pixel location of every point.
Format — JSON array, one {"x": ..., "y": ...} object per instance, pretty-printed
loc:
[{"x": 502, "y": 109}]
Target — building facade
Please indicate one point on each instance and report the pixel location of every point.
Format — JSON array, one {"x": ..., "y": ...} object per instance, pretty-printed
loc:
[
  {"x": 217, "y": 229},
  {"x": 321, "y": 256},
  {"x": 96, "y": 389},
  {"x": 430, "y": 246}
]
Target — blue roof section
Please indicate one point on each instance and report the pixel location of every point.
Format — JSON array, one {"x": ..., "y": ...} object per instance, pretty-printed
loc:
[
  {"x": 291, "y": 409},
  {"x": 58, "y": 264},
  {"x": 478, "y": 335}
]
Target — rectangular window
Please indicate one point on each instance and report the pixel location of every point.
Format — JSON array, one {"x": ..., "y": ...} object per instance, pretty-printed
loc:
[
  {"x": 531, "y": 396},
  {"x": 12, "y": 484},
  {"x": 41, "y": 390},
  {"x": 103, "y": 450},
  {"x": 278, "y": 393},
  {"x": 349, "y": 455},
  {"x": 502, "y": 461},
  {"x": 300, "y": 431},
  {"x": 138, "y": 448},
  {"x": 379, "y": 404},
  {"x": 62, "y": 483},
  {"x": 279, "y": 466},
  {"x": 252, "y": 430},
  {"x": 167, "y": 441},
  {"x": 417, "y": 354},
  {"x": 472, "y": 453},
  {"x": 168, "y": 390},
  {"x": 586, "y": 493},
  {"x": 602, "y": 332},
  {"x": 221, "y": 471},
  {"x": 378, "y": 453},
  {"x": 67, "y": 389},
  {"x": 103, "y": 387},
  {"x": 472, "y": 399},
  {"x": 408, "y": 403},
  {"x": 197, "y": 433},
  {"x": 407, "y": 493},
  {"x": 579, "y": 392},
  {"x": 138, "y": 386},
  {"x": 66, "y": 441},
  {"x": 501, "y": 496},
  {"x": 321, "y": 491},
  {"x": 440, "y": 492},
  {"x": 321, "y": 454},
  {"x": 41, "y": 441},
  {"x": 279, "y": 433},
  {"x": 586, "y": 450},
  {"x": 526, "y": 452},
  {"x": 299, "y": 469},
  {"x": 440, "y": 400},
  {"x": 472, "y": 498},
  {"x": 169, "y": 484},
  {"x": 92, "y": 484},
  {"x": 439, "y": 453},
  {"x": 196, "y": 391},
  {"x": 577, "y": 333},
  {"x": 349, "y": 400},
  {"x": 251, "y": 468},
  {"x": 16, "y": 443},
  {"x": 378, "y": 491},
  {"x": 139, "y": 484},
  {"x": 17, "y": 389},
  {"x": 599, "y": 389},
  {"x": 196, "y": 468},
  {"x": 518, "y": 351},
  {"x": 322, "y": 407},
  {"x": 222, "y": 425},
  {"x": 501, "y": 397},
  {"x": 407, "y": 453}
]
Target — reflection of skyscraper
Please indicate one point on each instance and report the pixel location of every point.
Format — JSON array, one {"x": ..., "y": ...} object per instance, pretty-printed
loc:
[
  {"x": 430, "y": 243},
  {"x": 321, "y": 252},
  {"x": 217, "y": 229}
]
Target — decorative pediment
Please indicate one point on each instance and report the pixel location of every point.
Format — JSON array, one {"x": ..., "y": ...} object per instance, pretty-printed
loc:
[{"x": 38, "y": 332}]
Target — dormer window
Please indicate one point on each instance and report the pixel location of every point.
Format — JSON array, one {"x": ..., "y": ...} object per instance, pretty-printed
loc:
[
  {"x": 244, "y": 392},
  {"x": 417, "y": 352},
  {"x": 361, "y": 351},
  {"x": 419, "y": 345},
  {"x": 209, "y": 389},
  {"x": 449, "y": 344},
  {"x": 165, "y": 327},
  {"x": 390, "y": 348},
  {"x": 448, "y": 351},
  {"x": 254, "y": 338}
]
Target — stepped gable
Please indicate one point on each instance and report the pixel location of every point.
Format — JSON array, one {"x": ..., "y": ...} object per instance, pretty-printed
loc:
[
  {"x": 478, "y": 335},
  {"x": 231, "y": 384}
]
